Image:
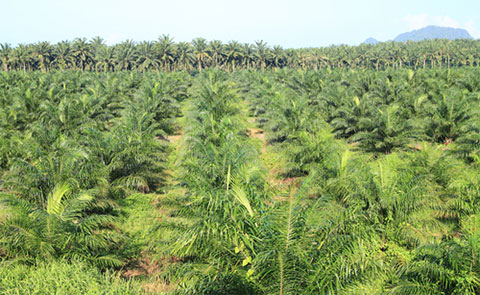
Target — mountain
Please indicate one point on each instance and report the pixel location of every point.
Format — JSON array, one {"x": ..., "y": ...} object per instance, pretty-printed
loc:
[
  {"x": 433, "y": 32},
  {"x": 371, "y": 41}
]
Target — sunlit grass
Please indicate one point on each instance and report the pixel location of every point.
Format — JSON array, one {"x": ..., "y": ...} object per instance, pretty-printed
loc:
[{"x": 62, "y": 278}]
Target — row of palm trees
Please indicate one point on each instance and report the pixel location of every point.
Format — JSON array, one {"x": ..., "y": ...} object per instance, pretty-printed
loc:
[
  {"x": 380, "y": 111},
  {"x": 166, "y": 55},
  {"x": 244, "y": 236}
]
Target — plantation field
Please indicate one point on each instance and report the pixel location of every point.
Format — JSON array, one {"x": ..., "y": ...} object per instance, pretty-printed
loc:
[{"x": 337, "y": 181}]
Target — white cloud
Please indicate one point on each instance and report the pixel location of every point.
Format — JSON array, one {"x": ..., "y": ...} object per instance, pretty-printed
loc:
[
  {"x": 418, "y": 21},
  {"x": 446, "y": 21},
  {"x": 415, "y": 22}
]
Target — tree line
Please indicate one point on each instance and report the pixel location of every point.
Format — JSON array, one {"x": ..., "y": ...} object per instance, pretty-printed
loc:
[{"x": 166, "y": 55}]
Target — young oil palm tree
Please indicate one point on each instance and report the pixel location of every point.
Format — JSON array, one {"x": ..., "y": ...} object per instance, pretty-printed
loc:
[
  {"x": 61, "y": 228},
  {"x": 448, "y": 267},
  {"x": 448, "y": 116},
  {"x": 385, "y": 131}
]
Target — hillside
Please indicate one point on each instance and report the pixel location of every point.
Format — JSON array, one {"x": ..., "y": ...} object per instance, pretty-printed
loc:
[
  {"x": 433, "y": 32},
  {"x": 370, "y": 40}
]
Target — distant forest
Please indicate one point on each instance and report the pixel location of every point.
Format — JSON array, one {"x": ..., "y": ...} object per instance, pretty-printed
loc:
[{"x": 166, "y": 55}]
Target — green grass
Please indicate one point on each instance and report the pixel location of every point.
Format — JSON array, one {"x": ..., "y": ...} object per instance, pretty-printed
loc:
[
  {"x": 151, "y": 224},
  {"x": 139, "y": 220},
  {"x": 148, "y": 221},
  {"x": 60, "y": 277}
]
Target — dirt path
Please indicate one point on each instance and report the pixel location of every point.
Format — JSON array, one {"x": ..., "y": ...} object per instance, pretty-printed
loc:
[
  {"x": 175, "y": 137},
  {"x": 269, "y": 158},
  {"x": 259, "y": 134}
]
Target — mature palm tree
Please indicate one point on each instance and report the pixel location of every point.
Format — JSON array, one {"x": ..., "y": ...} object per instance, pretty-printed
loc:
[
  {"x": 5, "y": 55},
  {"x": 105, "y": 58},
  {"x": 248, "y": 55},
  {"x": 291, "y": 56},
  {"x": 43, "y": 52},
  {"x": 262, "y": 54},
  {"x": 64, "y": 57},
  {"x": 216, "y": 50},
  {"x": 82, "y": 52},
  {"x": 124, "y": 55},
  {"x": 96, "y": 43},
  {"x": 166, "y": 51},
  {"x": 185, "y": 57},
  {"x": 200, "y": 48},
  {"x": 147, "y": 56},
  {"x": 233, "y": 54},
  {"x": 22, "y": 56},
  {"x": 278, "y": 56},
  {"x": 428, "y": 53}
]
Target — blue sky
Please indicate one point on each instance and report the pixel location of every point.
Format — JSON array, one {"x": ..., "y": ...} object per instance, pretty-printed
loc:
[{"x": 289, "y": 23}]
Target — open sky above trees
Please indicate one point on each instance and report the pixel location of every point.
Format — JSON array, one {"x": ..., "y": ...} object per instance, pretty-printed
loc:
[{"x": 300, "y": 23}]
